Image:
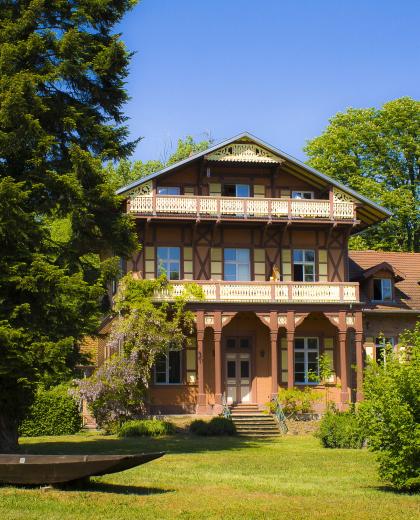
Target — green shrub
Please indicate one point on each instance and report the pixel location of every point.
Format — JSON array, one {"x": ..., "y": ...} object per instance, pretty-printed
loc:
[
  {"x": 54, "y": 412},
  {"x": 295, "y": 400},
  {"x": 340, "y": 430},
  {"x": 146, "y": 428},
  {"x": 217, "y": 426},
  {"x": 390, "y": 412}
]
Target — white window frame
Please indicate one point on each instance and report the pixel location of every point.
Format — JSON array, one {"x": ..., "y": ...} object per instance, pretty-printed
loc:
[
  {"x": 304, "y": 262},
  {"x": 306, "y": 350},
  {"x": 169, "y": 261},
  {"x": 237, "y": 263},
  {"x": 382, "y": 280},
  {"x": 167, "y": 383},
  {"x": 382, "y": 343},
  {"x": 295, "y": 194}
]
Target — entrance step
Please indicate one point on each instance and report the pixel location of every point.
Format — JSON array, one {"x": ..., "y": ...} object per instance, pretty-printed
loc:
[{"x": 252, "y": 422}]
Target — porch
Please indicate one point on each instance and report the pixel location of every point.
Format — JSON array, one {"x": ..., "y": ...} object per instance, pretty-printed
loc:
[{"x": 245, "y": 357}]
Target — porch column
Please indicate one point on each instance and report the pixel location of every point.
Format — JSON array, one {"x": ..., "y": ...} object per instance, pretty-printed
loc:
[
  {"x": 274, "y": 354},
  {"x": 201, "y": 400},
  {"x": 290, "y": 349},
  {"x": 359, "y": 355},
  {"x": 218, "y": 357},
  {"x": 342, "y": 339}
]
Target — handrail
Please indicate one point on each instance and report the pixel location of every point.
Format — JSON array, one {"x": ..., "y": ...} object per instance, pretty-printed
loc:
[
  {"x": 226, "y": 413},
  {"x": 279, "y": 415}
]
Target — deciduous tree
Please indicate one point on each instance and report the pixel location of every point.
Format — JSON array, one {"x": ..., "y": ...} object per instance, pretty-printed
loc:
[{"x": 377, "y": 152}]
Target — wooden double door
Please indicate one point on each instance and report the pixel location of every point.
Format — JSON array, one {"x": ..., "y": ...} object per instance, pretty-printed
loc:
[{"x": 238, "y": 370}]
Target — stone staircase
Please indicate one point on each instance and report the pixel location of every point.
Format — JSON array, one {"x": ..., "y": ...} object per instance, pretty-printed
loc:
[{"x": 252, "y": 422}]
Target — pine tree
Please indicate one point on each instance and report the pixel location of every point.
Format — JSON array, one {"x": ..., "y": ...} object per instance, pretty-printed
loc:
[{"x": 61, "y": 101}]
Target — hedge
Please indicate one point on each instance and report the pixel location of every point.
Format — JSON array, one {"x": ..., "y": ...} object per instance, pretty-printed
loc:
[
  {"x": 54, "y": 412},
  {"x": 217, "y": 426},
  {"x": 341, "y": 430},
  {"x": 146, "y": 428}
]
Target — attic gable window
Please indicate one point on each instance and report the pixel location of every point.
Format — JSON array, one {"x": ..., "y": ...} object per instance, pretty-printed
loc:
[
  {"x": 382, "y": 289},
  {"x": 169, "y": 190}
]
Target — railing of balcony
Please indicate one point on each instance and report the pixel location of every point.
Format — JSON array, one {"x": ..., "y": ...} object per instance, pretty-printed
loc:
[
  {"x": 271, "y": 292},
  {"x": 202, "y": 206}
]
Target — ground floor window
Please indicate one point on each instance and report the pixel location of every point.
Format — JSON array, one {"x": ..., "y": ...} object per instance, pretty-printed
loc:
[
  {"x": 381, "y": 344},
  {"x": 168, "y": 368},
  {"x": 306, "y": 359}
]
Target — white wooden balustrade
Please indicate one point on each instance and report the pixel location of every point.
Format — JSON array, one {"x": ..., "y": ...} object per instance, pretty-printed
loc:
[
  {"x": 270, "y": 292},
  {"x": 183, "y": 205}
]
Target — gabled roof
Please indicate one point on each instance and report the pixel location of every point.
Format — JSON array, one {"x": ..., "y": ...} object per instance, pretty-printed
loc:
[
  {"x": 407, "y": 264},
  {"x": 373, "y": 211},
  {"x": 382, "y": 266}
]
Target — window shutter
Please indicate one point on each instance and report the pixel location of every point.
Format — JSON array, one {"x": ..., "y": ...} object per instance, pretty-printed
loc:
[
  {"x": 216, "y": 263},
  {"x": 329, "y": 351},
  {"x": 188, "y": 264},
  {"x": 286, "y": 265},
  {"x": 370, "y": 347},
  {"x": 283, "y": 350},
  {"x": 149, "y": 255},
  {"x": 259, "y": 191},
  {"x": 189, "y": 190},
  {"x": 284, "y": 194},
  {"x": 215, "y": 189},
  {"x": 259, "y": 264},
  {"x": 191, "y": 361},
  {"x": 322, "y": 265}
]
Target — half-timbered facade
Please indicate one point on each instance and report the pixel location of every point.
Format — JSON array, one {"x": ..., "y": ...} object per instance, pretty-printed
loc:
[{"x": 265, "y": 236}]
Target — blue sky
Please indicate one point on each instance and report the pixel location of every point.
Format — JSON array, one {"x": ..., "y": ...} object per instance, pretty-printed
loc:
[{"x": 276, "y": 68}]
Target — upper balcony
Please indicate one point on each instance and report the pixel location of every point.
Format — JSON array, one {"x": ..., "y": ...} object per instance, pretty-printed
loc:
[
  {"x": 216, "y": 207},
  {"x": 270, "y": 292}
]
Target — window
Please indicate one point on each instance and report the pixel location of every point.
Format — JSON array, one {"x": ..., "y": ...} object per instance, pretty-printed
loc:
[
  {"x": 306, "y": 359},
  {"x": 168, "y": 368},
  {"x": 303, "y": 265},
  {"x": 302, "y": 194},
  {"x": 238, "y": 343},
  {"x": 382, "y": 289},
  {"x": 169, "y": 262},
  {"x": 169, "y": 190},
  {"x": 237, "y": 266},
  {"x": 381, "y": 344},
  {"x": 236, "y": 190}
]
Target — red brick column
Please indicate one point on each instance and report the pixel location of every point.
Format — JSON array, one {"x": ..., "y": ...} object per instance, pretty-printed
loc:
[
  {"x": 274, "y": 354},
  {"x": 201, "y": 399},
  {"x": 218, "y": 357},
  {"x": 290, "y": 329}
]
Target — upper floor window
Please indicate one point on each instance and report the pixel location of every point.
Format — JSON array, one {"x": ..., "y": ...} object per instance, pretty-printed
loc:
[
  {"x": 302, "y": 194},
  {"x": 169, "y": 262},
  {"x": 237, "y": 265},
  {"x": 168, "y": 368},
  {"x": 303, "y": 265},
  {"x": 169, "y": 190},
  {"x": 306, "y": 359},
  {"x": 236, "y": 190},
  {"x": 382, "y": 289}
]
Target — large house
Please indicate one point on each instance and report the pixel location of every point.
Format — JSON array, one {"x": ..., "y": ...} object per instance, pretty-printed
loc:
[{"x": 266, "y": 236}]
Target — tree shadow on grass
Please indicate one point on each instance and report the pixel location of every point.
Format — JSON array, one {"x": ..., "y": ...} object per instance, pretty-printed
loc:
[
  {"x": 393, "y": 491},
  {"x": 90, "y": 444},
  {"x": 104, "y": 487}
]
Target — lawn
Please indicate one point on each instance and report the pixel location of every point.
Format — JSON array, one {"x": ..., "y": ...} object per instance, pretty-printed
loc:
[{"x": 291, "y": 477}]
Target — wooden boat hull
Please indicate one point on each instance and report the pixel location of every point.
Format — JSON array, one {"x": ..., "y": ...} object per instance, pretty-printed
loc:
[{"x": 57, "y": 469}]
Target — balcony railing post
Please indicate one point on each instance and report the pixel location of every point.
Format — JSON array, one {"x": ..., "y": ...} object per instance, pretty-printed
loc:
[
  {"x": 218, "y": 207},
  {"x": 246, "y": 208},
  {"x": 289, "y": 208},
  {"x": 290, "y": 291},
  {"x": 273, "y": 292},
  {"x": 341, "y": 293},
  {"x": 331, "y": 197}
]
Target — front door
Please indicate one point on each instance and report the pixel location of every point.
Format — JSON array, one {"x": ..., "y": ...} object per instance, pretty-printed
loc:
[{"x": 238, "y": 377}]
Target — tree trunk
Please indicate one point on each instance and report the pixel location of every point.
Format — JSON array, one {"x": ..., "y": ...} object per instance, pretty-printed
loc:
[{"x": 8, "y": 433}]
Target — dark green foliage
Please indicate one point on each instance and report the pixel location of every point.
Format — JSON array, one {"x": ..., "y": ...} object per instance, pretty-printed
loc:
[
  {"x": 377, "y": 153},
  {"x": 341, "y": 430},
  {"x": 390, "y": 412},
  {"x": 216, "y": 427},
  {"x": 54, "y": 412},
  {"x": 61, "y": 98},
  {"x": 146, "y": 428}
]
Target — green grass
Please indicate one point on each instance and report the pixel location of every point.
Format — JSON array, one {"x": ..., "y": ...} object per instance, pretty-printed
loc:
[{"x": 291, "y": 477}]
